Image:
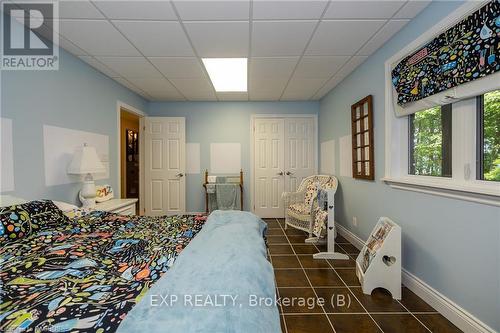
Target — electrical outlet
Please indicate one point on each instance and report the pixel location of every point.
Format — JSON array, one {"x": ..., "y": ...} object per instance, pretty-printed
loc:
[{"x": 355, "y": 221}]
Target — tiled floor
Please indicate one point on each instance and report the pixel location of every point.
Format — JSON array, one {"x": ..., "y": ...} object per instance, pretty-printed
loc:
[{"x": 302, "y": 280}]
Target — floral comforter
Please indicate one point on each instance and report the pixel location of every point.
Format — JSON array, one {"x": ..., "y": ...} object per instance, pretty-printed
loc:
[{"x": 86, "y": 276}]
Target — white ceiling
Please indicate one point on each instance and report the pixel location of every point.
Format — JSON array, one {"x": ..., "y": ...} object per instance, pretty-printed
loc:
[{"x": 297, "y": 49}]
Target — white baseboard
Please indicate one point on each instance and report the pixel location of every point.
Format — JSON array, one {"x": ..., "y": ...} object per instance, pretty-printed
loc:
[{"x": 460, "y": 317}]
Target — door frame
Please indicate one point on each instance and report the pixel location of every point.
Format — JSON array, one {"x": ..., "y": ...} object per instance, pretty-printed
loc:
[
  {"x": 253, "y": 117},
  {"x": 129, "y": 108}
]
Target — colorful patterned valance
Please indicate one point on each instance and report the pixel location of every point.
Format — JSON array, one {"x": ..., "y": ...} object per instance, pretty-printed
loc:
[{"x": 468, "y": 51}]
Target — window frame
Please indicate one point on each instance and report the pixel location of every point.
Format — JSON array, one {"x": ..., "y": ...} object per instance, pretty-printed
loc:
[{"x": 463, "y": 184}]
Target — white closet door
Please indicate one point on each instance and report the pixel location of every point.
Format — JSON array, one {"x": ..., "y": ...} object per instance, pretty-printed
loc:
[
  {"x": 165, "y": 160},
  {"x": 300, "y": 151},
  {"x": 268, "y": 166}
]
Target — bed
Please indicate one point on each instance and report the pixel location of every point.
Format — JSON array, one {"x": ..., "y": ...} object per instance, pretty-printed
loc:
[{"x": 91, "y": 272}]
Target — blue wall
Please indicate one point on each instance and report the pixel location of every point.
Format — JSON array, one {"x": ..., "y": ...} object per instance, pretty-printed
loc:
[
  {"x": 77, "y": 97},
  {"x": 216, "y": 122},
  {"x": 452, "y": 245}
]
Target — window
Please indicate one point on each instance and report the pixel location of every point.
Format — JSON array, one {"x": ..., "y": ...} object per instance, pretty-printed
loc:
[
  {"x": 488, "y": 136},
  {"x": 430, "y": 142}
]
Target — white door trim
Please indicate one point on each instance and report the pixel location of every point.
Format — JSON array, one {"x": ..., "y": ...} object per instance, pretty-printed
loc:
[
  {"x": 122, "y": 105},
  {"x": 252, "y": 153}
]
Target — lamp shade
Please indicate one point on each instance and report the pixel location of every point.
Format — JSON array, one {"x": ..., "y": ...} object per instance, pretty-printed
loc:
[{"x": 85, "y": 160}]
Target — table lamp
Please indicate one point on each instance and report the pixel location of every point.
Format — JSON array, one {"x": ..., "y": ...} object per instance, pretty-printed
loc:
[{"x": 86, "y": 162}]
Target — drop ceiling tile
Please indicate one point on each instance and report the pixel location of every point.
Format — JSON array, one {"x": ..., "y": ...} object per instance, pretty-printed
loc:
[
  {"x": 382, "y": 36},
  {"x": 219, "y": 39},
  {"x": 350, "y": 66},
  {"x": 342, "y": 9},
  {"x": 302, "y": 88},
  {"x": 295, "y": 9},
  {"x": 195, "y": 89},
  {"x": 99, "y": 66},
  {"x": 232, "y": 96},
  {"x": 264, "y": 97},
  {"x": 130, "y": 86},
  {"x": 319, "y": 66},
  {"x": 98, "y": 38},
  {"x": 332, "y": 83},
  {"x": 192, "y": 84},
  {"x": 411, "y": 9},
  {"x": 131, "y": 67},
  {"x": 342, "y": 37},
  {"x": 78, "y": 10},
  {"x": 269, "y": 67},
  {"x": 267, "y": 88},
  {"x": 70, "y": 47},
  {"x": 213, "y": 10},
  {"x": 156, "y": 87},
  {"x": 280, "y": 38},
  {"x": 156, "y": 38},
  {"x": 137, "y": 10},
  {"x": 179, "y": 67}
]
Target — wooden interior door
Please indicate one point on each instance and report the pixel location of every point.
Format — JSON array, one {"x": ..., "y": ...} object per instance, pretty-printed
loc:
[
  {"x": 268, "y": 166},
  {"x": 300, "y": 150},
  {"x": 164, "y": 165}
]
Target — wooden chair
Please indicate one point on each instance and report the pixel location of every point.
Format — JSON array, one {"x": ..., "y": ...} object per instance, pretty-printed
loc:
[{"x": 299, "y": 206}]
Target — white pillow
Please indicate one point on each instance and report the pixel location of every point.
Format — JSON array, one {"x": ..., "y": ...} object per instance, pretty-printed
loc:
[
  {"x": 9, "y": 200},
  {"x": 64, "y": 206}
]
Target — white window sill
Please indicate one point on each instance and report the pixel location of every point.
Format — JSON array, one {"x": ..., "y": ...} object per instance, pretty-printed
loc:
[{"x": 487, "y": 193}]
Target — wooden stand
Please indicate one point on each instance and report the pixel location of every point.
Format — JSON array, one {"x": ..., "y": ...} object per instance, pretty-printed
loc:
[
  {"x": 330, "y": 251},
  {"x": 206, "y": 194}
]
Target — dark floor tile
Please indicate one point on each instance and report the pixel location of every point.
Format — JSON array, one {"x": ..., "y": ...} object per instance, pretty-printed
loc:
[
  {"x": 349, "y": 277},
  {"x": 282, "y": 322},
  {"x": 323, "y": 278},
  {"x": 293, "y": 231},
  {"x": 338, "y": 263},
  {"x": 273, "y": 224},
  {"x": 299, "y": 300},
  {"x": 339, "y": 300},
  {"x": 379, "y": 301},
  {"x": 267, "y": 219},
  {"x": 274, "y": 232},
  {"x": 322, "y": 247},
  {"x": 397, "y": 323},
  {"x": 341, "y": 240},
  {"x": 280, "y": 249},
  {"x": 297, "y": 239},
  {"x": 285, "y": 262},
  {"x": 305, "y": 249},
  {"x": 308, "y": 261},
  {"x": 308, "y": 324},
  {"x": 353, "y": 323},
  {"x": 414, "y": 303},
  {"x": 291, "y": 278},
  {"x": 277, "y": 240},
  {"x": 437, "y": 323},
  {"x": 349, "y": 249}
]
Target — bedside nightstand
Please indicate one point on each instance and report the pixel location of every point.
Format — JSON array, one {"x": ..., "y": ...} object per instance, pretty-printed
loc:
[{"x": 118, "y": 206}]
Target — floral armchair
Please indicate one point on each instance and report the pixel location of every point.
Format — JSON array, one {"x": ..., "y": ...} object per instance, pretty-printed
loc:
[{"x": 301, "y": 208}]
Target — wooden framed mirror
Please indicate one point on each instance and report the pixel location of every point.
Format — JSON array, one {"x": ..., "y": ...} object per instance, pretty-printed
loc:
[{"x": 363, "y": 166}]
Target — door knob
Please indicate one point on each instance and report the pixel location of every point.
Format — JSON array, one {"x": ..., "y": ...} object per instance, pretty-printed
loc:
[
  {"x": 288, "y": 173},
  {"x": 280, "y": 173},
  {"x": 180, "y": 175}
]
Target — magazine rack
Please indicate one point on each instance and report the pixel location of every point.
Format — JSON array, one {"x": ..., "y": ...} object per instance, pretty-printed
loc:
[{"x": 378, "y": 265}]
